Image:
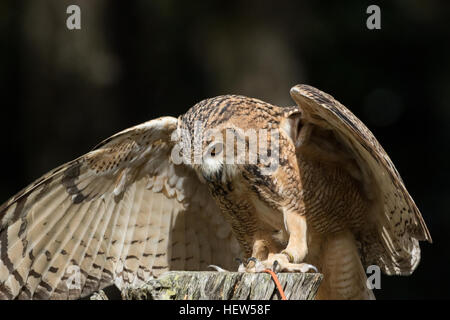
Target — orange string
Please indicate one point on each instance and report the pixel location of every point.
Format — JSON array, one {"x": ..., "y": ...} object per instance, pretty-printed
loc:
[{"x": 277, "y": 283}]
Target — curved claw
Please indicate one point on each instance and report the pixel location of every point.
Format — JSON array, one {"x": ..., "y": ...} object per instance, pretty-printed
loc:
[
  {"x": 252, "y": 259},
  {"x": 241, "y": 267},
  {"x": 217, "y": 268},
  {"x": 275, "y": 266},
  {"x": 258, "y": 265},
  {"x": 311, "y": 267}
]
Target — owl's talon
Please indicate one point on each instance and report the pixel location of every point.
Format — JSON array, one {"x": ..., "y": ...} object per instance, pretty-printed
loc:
[
  {"x": 252, "y": 259},
  {"x": 275, "y": 266},
  {"x": 241, "y": 267},
  {"x": 297, "y": 267},
  {"x": 311, "y": 267},
  {"x": 251, "y": 264},
  {"x": 217, "y": 268},
  {"x": 279, "y": 263},
  {"x": 254, "y": 265}
]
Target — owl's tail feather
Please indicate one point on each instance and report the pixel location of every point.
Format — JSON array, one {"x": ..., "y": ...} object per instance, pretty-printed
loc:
[{"x": 344, "y": 275}]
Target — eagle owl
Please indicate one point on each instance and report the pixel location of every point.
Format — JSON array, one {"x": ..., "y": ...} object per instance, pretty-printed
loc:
[{"x": 129, "y": 209}]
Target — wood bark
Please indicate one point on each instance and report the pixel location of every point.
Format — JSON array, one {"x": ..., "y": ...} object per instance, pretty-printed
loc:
[{"x": 183, "y": 285}]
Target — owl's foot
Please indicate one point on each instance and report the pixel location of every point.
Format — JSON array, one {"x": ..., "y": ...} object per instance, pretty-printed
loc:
[{"x": 277, "y": 263}]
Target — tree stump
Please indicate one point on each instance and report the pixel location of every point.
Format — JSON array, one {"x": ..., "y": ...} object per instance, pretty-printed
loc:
[{"x": 183, "y": 285}]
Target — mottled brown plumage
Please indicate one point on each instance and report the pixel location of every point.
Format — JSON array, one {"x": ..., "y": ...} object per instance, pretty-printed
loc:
[{"x": 127, "y": 210}]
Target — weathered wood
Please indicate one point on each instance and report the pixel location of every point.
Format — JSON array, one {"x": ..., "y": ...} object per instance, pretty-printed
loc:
[{"x": 182, "y": 285}]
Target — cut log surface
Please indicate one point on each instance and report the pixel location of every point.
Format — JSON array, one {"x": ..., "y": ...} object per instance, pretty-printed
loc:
[{"x": 183, "y": 285}]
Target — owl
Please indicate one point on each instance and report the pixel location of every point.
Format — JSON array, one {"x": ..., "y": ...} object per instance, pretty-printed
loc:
[{"x": 296, "y": 189}]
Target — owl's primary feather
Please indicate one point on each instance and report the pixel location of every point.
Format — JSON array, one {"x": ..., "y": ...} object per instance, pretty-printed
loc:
[
  {"x": 117, "y": 215},
  {"x": 125, "y": 211},
  {"x": 399, "y": 221}
]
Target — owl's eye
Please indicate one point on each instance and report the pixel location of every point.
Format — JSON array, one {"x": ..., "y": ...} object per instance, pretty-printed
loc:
[{"x": 216, "y": 149}]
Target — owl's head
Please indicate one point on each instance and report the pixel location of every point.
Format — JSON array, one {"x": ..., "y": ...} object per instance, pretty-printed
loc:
[{"x": 223, "y": 136}]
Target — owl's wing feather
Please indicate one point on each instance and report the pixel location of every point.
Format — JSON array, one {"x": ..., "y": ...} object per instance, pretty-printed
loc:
[
  {"x": 119, "y": 214},
  {"x": 400, "y": 223}
]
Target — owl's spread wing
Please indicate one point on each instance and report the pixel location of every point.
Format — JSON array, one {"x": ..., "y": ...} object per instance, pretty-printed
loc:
[
  {"x": 118, "y": 214},
  {"x": 395, "y": 247}
]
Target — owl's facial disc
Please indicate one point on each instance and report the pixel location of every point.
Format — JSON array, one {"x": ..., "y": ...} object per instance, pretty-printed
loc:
[
  {"x": 213, "y": 161},
  {"x": 222, "y": 136}
]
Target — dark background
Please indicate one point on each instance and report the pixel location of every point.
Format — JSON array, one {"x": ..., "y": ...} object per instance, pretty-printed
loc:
[{"x": 63, "y": 91}]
